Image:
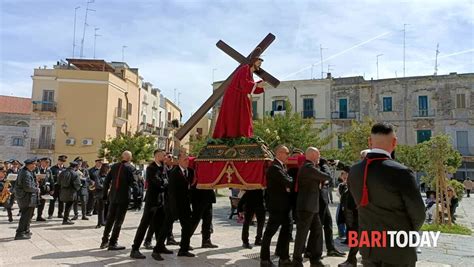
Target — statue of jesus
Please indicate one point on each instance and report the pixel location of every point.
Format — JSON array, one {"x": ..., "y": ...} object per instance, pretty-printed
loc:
[{"x": 235, "y": 115}]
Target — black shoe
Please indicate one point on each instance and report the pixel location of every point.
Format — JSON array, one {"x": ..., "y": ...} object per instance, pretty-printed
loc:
[
  {"x": 40, "y": 219},
  {"x": 89, "y": 214},
  {"x": 186, "y": 254},
  {"x": 297, "y": 263},
  {"x": 246, "y": 245},
  {"x": 29, "y": 233},
  {"x": 267, "y": 263},
  {"x": 104, "y": 245},
  {"x": 98, "y": 226},
  {"x": 135, "y": 254},
  {"x": 10, "y": 219},
  {"x": 22, "y": 237},
  {"x": 318, "y": 264},
  {"x": 258, "y": 242},
  {"x": 50, "y": 217},
  {"x": 172, "y": 242},
  {"x": 348, "y": 263},
  {"x": 335, "y": 253},
  {"x": 285, "y": 262},
  {"x": 148, "y": 245},
  {"x": 115, "y": 247},
  {"x": 60, "y": 216},
  {"x": 157, "y": 256},
  {"x": 190, "y": 248},
  {"x": 164, "y": 250},
  {"x": 85, "y": 218},
  {"x": 75, "y": 217},
  {"x": 68, "y": 222},
  {"x": 345, "y": 242},
  {"x": 208, "y": 244}
]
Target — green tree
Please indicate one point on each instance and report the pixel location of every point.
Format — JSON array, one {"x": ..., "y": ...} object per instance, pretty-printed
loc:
[
  {"x": 412, "y": 156},
  {"x": 356, "y": 139},
  {"x": 292, "y": 130},
  {"x": 141, "y": 146}
]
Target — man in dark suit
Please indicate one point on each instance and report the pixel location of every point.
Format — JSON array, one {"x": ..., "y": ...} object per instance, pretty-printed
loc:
[
  {"x": 310, "y": 176},
  {"x": 26, "y": 191},
  {"x": 201, "y": 202},
  {"x": 180, "y": 179},
  {"x": 351, "y": 217},
  {"x": 55, "y": 171},
  {"x": 252, "y": 203},
  {"x": 119, "y": 180},
  {"x": 278, "y": 204},
  {"x": 154, "y": 203},
  {"x": 388, "y": 198}
]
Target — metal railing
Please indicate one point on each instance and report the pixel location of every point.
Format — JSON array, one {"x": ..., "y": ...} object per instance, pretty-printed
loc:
[
  {"x": 44, "y": 106},
  {"x": 343, "y": 115},
  {"x": 37, "y": 143},
  {"x": 424, "y": 113},
  {"x": 308, "y": 114}
]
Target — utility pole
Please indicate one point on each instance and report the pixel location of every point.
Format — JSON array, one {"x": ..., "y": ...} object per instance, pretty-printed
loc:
[
  {"x": 404, "y": 47},
  {"x": 436, "y": 60},
  {"x": 329, "y": 68},
  {"x": 123, "y": 52},
  {"x": 85, "y": 25},
  {"x": 322, "y": 65},
  {"x": 95, "y": 37},
  {"x": 377, "y": 63},
  {"x": 74, "y": 34}
]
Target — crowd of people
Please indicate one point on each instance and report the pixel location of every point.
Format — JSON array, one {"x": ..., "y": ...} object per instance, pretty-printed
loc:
[{"x": 295, "y": 196}]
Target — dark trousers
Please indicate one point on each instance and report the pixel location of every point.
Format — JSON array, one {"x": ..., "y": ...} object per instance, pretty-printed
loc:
[
  {"x": 468, "y": 191},
  {"x": 308, "y": 222},
  {"x": 41, "y": 205},
  {"x": 25, "y": 220},
  {"x": 99, "y": 206},
  {"x": 184, "y": 216},
  {"x": 276, "y": 219},
  {"x": 202, "y": 210},
  {"x": 352, "y": 256},
  {"x": 167, "y": 229},
  {"x": 145, "y": 222},
  {"x": 81, "y": 199},
  {"x": 376, "y": 263},
  {"x": 326, "y": 219},
  {"x": 52, "y": 202},
  {"x": 91, "y": 202},
  {"x": 250, "y": 210},
  {"x": 115, "y": 218},
  {"x": 67, "y": 210}
]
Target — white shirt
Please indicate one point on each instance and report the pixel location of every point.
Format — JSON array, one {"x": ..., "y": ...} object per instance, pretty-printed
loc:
[
  {"x": 184, "y": 170},
  {"x": 282, "y": 164},
  {"x": 380, "y": 151}
]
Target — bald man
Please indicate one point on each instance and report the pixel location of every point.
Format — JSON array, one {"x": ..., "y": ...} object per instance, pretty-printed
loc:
[
  {"x": 278, "y": 204},
  {"x": 119, "y": 180},
  {"x": 391, "y": 199},
  {"x": 310, "y": 176}
]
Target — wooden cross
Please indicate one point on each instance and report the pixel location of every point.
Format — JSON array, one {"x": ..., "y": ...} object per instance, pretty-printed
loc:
[{"x": 219, "y": 92}]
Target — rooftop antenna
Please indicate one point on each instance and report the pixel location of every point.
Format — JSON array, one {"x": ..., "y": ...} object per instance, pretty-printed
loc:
[
  {"x": 436, "y": 60},
  {"x": 74, "y": 34},
  {"x": 123, "y": 52},
  {"x": 322, "y": 62},
  {"x": 179, "y": 102},
  {"x": 329, "y": 68},
  {"x": 85, "y": 25},
  {"x": 379, "y": 55},
  {"x": 404, "y": 46},
  {"x": 95, "y": 38}
]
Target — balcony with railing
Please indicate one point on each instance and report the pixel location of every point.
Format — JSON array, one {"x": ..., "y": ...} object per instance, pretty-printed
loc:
[
  {"x": 41, "y": 144},
  {"x": 343, "y": 115},
  {"x": 158, "y": 131},
  {"x": 44, "y": 106},
  {"x": 424, "y": 113},
  {"x": 308, "y": 114},
  {"x": 146, "y": 127}
]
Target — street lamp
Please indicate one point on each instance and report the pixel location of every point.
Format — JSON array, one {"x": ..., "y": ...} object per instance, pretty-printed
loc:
[{"x": 64, "y": 128}]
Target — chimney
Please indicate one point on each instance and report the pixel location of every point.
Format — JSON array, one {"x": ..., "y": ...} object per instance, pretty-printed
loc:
[{"x": 328, "y": 76}]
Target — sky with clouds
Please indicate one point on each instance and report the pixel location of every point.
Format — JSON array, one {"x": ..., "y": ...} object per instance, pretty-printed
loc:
[{"x": 173, "y": 42}]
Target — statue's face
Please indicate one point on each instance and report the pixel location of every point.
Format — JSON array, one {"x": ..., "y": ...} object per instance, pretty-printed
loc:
[{"x": 257, "y": 64}]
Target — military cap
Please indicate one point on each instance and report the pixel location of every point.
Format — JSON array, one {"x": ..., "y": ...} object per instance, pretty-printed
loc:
[{"x": 30, "y": 161}]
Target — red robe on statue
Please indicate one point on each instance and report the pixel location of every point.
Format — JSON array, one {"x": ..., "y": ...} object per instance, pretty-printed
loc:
[{"x": 235, "y": 115}]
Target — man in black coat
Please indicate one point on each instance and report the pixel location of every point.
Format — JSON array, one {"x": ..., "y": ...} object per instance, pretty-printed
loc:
[
  {"x": 278, "y": 204},
  {"x": 119, "y": 180},
  {"x": 69, "y": 183},
  {"x": 26, "y": 191},
  {"x": 252, "y": 203},
  {"x": 310, "y": 176},
  {"x": 93, "y": 176},
  {"x": 45, "y": 185},
  {"x": 55, "y": 171},
  {"x": 201, "y": 202},
  {"x": 153, "y": 213},
  {"x": 388, "y": 198},
  {"x": 180, "y": 179}
]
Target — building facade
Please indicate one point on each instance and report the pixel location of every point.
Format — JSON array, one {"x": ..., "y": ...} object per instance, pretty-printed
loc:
[
  {"x": 15, "y": 114},
  {"x": 420, "y": 107}
]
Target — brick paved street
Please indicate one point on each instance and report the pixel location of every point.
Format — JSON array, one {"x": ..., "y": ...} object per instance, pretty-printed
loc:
[{"x": 78, "y": 245}]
